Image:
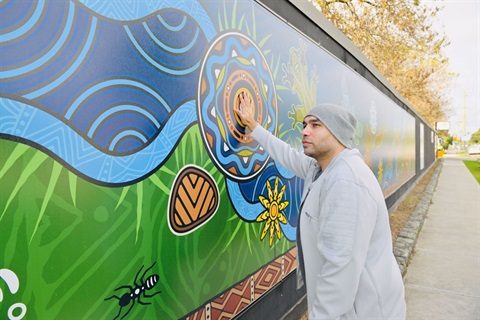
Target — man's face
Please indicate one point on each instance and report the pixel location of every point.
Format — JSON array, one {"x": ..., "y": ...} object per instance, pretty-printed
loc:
[{"x": 317, "y": 139}]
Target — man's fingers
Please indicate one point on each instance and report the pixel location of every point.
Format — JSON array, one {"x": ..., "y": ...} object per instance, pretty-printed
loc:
[
  {"x": 244, "y": 104},
  {"x": 239, "y": 107}
]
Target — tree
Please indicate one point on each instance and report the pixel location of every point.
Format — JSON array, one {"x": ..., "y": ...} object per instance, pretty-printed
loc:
[
  {"x": 446, "y": 138},
  {"x": 475, "y": 138},
  {"x": 448, "y": 142},
  {"x": 398, "y": 37}
]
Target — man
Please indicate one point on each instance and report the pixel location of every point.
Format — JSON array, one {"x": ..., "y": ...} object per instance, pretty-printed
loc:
[{"x": 344, "y": 241}]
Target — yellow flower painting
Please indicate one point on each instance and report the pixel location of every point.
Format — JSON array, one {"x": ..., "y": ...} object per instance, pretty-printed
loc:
[{"x": 273, "y": 213}]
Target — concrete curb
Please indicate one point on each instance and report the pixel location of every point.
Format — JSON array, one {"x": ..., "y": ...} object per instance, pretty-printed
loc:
[{"x": 406, "y": 240}]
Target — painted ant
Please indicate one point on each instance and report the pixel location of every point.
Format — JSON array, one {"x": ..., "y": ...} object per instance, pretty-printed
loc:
[{"x": 136, "y": 292}]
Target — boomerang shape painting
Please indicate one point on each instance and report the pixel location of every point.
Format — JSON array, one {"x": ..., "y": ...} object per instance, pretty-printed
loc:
[{"x": 129, "y": 187}]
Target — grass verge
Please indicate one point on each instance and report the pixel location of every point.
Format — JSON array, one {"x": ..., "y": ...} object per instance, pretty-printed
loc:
[{"x": 474, "y": 168}]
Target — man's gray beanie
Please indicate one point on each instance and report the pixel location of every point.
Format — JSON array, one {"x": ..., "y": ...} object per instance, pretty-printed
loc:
[{"x": 339, "y": 121}]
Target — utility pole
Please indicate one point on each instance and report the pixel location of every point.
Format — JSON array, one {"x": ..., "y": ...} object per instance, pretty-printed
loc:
[
  {"x": 464, "y": 112},
  {"x": 464, "y": 128}
]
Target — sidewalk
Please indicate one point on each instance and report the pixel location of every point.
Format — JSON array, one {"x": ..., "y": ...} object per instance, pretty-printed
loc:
[{"x": 443, "y": 276}]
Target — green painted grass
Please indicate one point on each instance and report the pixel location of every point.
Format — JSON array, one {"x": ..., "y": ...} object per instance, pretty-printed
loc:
[
  {"x": 77, "y": 242},
  {"x": 474, "y": 167}
]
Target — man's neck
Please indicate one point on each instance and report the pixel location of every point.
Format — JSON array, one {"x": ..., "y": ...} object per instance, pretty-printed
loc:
[{"x": 325, "y": 160}]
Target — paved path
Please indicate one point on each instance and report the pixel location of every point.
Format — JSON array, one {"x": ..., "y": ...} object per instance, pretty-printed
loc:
[{"x": 443, "y": 276}]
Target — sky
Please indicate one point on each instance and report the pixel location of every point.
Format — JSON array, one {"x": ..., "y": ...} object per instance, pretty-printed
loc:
[{"x": 460, "y": 21}]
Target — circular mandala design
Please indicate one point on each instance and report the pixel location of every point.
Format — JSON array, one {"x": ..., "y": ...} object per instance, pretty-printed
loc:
[{"x": 234, "y": 64}]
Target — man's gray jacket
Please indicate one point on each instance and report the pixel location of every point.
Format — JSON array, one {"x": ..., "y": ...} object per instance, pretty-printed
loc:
[{"x": 351, "y": 272}]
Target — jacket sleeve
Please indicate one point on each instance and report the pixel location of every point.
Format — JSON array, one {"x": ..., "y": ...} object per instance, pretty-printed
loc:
[
  {"x": 342, "y": 242},
  {"x": 296, "y": 162}
]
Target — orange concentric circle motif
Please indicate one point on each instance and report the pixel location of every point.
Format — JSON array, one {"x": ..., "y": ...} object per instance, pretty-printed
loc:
[{"x": 235, "y": 81}]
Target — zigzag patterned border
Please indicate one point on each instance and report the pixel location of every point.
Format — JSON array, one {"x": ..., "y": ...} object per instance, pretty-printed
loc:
[{"x": 231, "y": 302}]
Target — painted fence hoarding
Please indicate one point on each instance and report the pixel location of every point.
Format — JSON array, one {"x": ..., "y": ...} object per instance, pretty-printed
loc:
[{"x": 128, "y": 187}]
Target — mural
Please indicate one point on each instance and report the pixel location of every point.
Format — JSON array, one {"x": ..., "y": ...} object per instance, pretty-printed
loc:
[{"x": 129, "y": 189}]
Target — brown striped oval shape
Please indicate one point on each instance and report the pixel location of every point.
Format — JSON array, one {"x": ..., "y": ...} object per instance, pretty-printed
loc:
[{"x": 194, "y": 199}]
